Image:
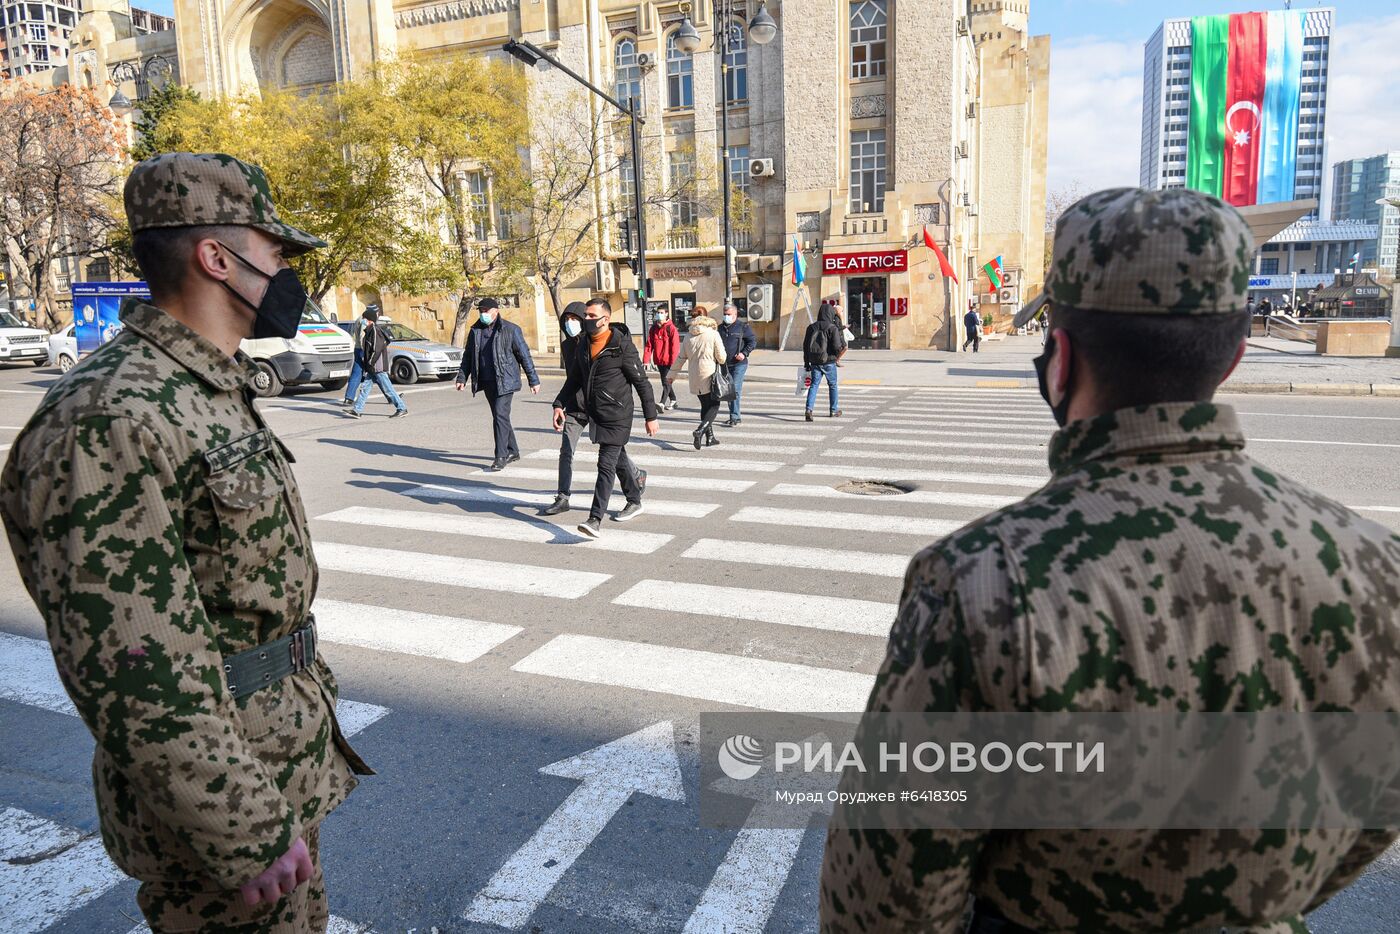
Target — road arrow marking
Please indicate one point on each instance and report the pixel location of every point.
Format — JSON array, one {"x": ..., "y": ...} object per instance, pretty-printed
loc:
[{"x": 642, "y": 762}]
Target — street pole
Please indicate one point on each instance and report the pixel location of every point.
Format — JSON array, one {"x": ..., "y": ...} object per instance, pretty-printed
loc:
[{"x": 722, "y": 48}]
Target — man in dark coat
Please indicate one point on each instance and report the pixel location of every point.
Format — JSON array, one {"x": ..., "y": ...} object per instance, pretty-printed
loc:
[
  {"x": 972, "y": 322},
  {"x": 576, "y": 419},
  {"x": 604, "y": 366},
  {"x": 739, "y": 342},
  {"x": 374, "y": 361},
  {"x": 495, "y": 353}
]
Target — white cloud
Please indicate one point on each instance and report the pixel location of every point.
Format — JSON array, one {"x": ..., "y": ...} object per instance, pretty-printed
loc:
[
  {"x": 1363, "y": 104},
  {"x": 1095, "y": 113}
]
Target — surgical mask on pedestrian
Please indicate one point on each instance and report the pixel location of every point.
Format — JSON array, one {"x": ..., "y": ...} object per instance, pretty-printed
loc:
[
  {"x": 280, "y": 310},
  {"x": 730, "y": 319},
  {"x": 487, "y": 317},
  {"x": 592, "y": 326},
  {"x": 1042, "y": 367},
  {"x": 572, "y": 327}
]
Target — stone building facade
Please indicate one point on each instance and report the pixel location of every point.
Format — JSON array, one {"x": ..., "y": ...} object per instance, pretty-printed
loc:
[{"x": 860, "y": 124}]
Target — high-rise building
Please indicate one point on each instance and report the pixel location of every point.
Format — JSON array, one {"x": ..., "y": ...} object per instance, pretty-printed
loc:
[
  {"x": 36, "y": 35},
  {"x": 1237, "y": 105},
  {"x": 1357, "y": 184}
]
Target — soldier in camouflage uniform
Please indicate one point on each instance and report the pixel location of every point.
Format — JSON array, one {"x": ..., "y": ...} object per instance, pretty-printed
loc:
[
  {"x": 1160, "y": 568},
  {"x": 159, "y": 530}
]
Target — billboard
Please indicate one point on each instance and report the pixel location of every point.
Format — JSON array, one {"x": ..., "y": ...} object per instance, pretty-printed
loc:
[
  {"x": 1246, "y": 82},
  {"x": 97, "y": 310}
]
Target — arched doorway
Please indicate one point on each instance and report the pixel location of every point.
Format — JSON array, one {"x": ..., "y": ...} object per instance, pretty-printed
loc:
[{"x": 281, "y": 45}]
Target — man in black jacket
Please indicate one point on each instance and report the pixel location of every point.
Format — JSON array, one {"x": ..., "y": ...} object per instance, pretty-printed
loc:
[
  {"x": 604, "y": 367},
  {"x": 739, "y": 342},
  {"x": 494, "y": 356},
  {"x": 822, "y": 347},
  {"x": 576, "y": 419}
]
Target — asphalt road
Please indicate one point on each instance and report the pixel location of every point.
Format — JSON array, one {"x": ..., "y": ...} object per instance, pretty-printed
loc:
[{"x": 479, "y": 646}]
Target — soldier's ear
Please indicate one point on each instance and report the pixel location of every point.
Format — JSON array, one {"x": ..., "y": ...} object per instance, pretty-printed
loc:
[{"x": 211, "y": 259}]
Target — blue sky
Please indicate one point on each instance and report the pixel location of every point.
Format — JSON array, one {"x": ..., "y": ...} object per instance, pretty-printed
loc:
[{"x": 1136, "y": 19}]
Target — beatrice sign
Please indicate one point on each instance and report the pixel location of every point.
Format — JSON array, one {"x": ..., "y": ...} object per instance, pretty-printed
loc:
[{"x": 875, "y": 261}]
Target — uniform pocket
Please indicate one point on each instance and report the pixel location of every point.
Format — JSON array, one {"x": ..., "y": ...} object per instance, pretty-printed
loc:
[{"x": 245, "y": 490}]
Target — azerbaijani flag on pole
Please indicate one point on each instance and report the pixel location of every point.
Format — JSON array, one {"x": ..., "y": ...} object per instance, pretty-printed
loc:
[
  {"x": 1246, "y": 78},
  {"x": 944, "y": 266},
  {"x": 994, "y": 273},
  {"x": 799, "y": 265}
]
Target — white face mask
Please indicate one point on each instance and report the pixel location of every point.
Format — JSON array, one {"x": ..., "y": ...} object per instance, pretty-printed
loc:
[
  {"x": 729, "y": 319},
  {"x": 487, "y": 317},
  {"x": 572, "y": 327}
]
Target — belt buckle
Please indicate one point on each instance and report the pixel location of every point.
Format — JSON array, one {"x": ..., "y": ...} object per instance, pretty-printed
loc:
[{"x": 298, "y": 651}]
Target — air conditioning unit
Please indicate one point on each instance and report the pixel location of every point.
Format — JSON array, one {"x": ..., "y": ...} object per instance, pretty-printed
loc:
[
  {"x": 760, "y": 298},
  {"x": 604, "y": 276},
  {"x": 1008, "y": 297},
  {"x": 645, "y": 60},
  {"x": 987, "y": 298},
  {"x": 760, "y": 168},
  {"x": 1011, "y": 277}
]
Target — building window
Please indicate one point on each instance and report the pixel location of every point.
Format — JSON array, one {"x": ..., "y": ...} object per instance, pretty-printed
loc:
[
  {"x": 736, "y": 58},
  {"x": 478, "y": 205},
  {"x": 627, "y": 74},
  {"x": 1268, "y": 267},
  {"x": 684, "y": 211},
  {"x": 867, "y": 171},
  {"x": 739, "y": 168},
  {"x": 680, "y": 78},
  {"x": 38, "y": 32},
  {"x": 41, "y": 53},
  {"x": 869, "y": 22}
]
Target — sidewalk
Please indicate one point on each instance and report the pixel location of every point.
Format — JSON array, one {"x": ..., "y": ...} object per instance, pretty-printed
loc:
[{"x": 1270, "y": 365}]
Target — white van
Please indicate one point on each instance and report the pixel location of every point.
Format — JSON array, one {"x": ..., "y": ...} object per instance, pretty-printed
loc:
[{"x": 319, "y": 353}]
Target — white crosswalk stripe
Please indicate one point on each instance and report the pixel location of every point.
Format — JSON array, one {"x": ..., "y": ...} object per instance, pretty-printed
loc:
[
  {"x": 725, "y": 439},
  {"x": 834, "y": 614},
  {"x": 978, "y": 418},
  {"x": 516, "y": 529},
  {"x": 393, "y": 630},
  {"x": 799, "y": 556},
  {"x": 854, "y": 521},
  {"x": 506, "y": 497},
  {"x": 695, "y": 460},
  {"x": 744, "y": 434},
  {"x": 914, "y": 442},
  {"x": 936, "y": 456},
  {"x": 707, "y": 676},
  {"x": 869, "y": 472},
  {"x": 922, "y": 497},
  {"x": 475, "y": 574},
  {"x": 977, "y": 432}
]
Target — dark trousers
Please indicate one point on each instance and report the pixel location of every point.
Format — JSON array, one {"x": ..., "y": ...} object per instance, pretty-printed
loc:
[
  {"x": 668, "y": 392},
  {"x": 610, "y": 460},
  {"x": 975, "y": 339},
  {"x": 709, "y": 407},
  {"x": 500, "y": 423},
  {"x": 573, "y": 429}
]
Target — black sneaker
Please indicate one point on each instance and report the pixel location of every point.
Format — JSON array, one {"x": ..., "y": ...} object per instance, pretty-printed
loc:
[
  {"x": 629, "y": 511},
  {"x": 352, "y": 414},
  {"x": 590, "y": 528},
  {"x": 512, "y": 458},
  {"x": 399, "y": 412},
  {"x": 560, "y": 505},
  {"x": 809, "y": 415}
]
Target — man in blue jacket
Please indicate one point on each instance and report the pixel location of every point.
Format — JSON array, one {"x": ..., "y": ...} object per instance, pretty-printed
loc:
[
  {"x": 739, "y": 342},
  {"x": 494, "y": 355}
]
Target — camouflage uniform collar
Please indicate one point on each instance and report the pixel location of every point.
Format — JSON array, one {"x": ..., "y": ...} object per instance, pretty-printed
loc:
[
  {"x": 187, "y": 348},
  {"x": 1146, "y": 432}
]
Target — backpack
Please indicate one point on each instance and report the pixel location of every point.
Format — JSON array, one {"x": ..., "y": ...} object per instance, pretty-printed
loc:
[{"x": 816, "y": 345}]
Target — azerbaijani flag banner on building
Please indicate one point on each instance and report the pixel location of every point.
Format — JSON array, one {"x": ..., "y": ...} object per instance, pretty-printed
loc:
[
  {"x": 994, "y": 273},
  {"x": 1246, "y": 81},
  {"x": 944, "y": 266},
  {"x": 799, "y": 266}
]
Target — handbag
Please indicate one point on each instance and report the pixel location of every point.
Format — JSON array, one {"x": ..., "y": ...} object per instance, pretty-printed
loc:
[
  {"x": 804, "y": 381},
  {"x": 722, "y": 384}
]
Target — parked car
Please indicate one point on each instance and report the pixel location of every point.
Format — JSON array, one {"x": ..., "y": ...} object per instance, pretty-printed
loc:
[
  {"x": 63, "y": 349},
  {"x": 19, "y": 343},
  {"x": 413, "y": 357}
]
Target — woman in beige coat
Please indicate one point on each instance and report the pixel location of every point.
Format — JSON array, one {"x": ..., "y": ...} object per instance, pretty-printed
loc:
[{"x": 702, "y": 352}]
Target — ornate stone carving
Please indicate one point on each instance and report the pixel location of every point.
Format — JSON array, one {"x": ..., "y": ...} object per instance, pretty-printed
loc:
[
  {"x": 454, "y": 10},
  {"x": 809, "y": 221},
  {"x": 926, "y": 214},
  {"x": 869, "y": 105}
]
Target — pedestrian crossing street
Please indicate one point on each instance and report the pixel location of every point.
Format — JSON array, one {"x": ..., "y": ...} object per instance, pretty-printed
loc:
[{"x": 749, "y": 582}]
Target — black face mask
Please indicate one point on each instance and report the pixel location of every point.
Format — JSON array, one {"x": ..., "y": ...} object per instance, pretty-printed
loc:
[
  {"x": 592, "y": 326},
  {"x": 1042, "y": 366},
  {"x": 280, "y": 310}
]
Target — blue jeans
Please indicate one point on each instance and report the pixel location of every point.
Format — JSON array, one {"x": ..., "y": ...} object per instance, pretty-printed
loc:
[
  {"x": 382, "y": 381},
  {"x": 829, "y": 371},
  {"x": 737, "y": 370},
  {"x": 357, "y": 373}
]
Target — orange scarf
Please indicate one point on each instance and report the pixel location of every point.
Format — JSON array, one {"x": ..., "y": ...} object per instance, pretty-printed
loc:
[{"x": 598, "y": 341}]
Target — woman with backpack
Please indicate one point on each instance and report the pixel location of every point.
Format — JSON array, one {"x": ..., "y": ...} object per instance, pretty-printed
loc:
[
  {"x": 703, "y": 351},
  {"x": 822, "y": 347}
]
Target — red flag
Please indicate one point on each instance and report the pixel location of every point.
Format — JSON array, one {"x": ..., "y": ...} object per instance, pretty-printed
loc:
[
  {"x": 943, "y": 264},
  {"x": 1244, "y": 100}
]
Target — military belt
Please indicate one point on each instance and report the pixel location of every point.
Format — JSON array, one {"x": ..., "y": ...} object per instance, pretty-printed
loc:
[{"x": 270, "y": 662}]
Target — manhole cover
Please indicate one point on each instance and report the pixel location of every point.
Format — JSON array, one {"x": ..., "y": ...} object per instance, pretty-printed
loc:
[{"x": 873, "y": 488}]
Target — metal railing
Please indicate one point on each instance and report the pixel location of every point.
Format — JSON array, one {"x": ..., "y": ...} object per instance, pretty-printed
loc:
[{"x": 682, "y": 238}]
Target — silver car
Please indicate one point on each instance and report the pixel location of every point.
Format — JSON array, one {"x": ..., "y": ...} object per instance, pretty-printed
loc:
[
  {"x": 63, "y": 349},
  {"x": 413, "y": 357}
]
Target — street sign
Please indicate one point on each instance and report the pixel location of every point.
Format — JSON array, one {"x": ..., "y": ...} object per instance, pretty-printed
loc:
[{"x": 865, "y": 262}]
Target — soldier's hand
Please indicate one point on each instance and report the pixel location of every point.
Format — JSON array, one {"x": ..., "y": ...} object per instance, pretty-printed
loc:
[{"x": 290, "y": 870}]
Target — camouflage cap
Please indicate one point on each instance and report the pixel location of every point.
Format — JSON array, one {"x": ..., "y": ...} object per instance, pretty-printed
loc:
[
  {"x": 187, "y": 189},
  {"x": 1138, "y": 251}
]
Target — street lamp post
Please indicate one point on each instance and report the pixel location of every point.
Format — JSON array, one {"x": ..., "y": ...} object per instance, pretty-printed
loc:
[
  {"x": 155, "y": 68},
  {"x": 532, "y": 55},
  {"x": 762, "y": 30}
]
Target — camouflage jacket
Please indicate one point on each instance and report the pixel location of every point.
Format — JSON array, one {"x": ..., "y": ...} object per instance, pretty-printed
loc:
[
  {"x": 158, "y": 528},
  {"x": 1159, "y": 568}
]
